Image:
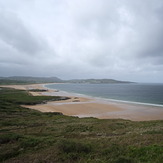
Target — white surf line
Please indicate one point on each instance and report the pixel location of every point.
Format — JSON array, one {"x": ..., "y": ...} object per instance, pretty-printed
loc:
[{"x": 131, "y": 102}]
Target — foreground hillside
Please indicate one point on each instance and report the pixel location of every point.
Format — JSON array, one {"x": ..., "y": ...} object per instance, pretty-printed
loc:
[{"x": 31, "y": 136}]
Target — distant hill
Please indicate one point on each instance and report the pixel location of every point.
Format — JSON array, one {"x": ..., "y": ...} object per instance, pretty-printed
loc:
[
  {"x": 30, "y": 80},
  {"x": 96, "y": 81}
]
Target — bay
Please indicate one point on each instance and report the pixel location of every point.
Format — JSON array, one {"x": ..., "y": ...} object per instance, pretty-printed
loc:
[{"x": 132, "y": 92}]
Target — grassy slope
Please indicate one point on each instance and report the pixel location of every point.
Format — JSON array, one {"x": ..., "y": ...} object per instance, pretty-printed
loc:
[{"x": 30, "y": 136}]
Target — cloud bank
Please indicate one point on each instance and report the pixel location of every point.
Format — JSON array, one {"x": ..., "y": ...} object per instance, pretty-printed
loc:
[{"x": 119, "y": 39}]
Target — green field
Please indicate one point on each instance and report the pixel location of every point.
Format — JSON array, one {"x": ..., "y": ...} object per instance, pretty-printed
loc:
[{"x": 29, "y": 136}]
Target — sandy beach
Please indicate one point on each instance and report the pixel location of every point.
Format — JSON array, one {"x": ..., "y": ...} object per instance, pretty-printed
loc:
[{"x": 81, "y": 106}]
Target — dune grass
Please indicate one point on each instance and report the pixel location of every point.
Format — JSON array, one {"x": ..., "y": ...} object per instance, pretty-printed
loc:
[{"x": 30, "y": 136}]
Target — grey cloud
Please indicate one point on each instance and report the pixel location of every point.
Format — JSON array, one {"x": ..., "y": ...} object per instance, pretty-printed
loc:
[
  {"x": 141, "y": 21},
  {"x": 14, "y": 33},
  {"x": 19, "y": 45},
  {"x": 102, "y": 39}
]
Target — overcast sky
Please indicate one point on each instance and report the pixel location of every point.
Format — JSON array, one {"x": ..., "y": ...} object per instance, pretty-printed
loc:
[{"x": 120, "y": 39}]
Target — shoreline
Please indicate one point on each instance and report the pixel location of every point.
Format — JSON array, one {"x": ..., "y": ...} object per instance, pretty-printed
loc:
[
  {"x": 85, "y": 106},
  {"x": 107, "y": 99}
]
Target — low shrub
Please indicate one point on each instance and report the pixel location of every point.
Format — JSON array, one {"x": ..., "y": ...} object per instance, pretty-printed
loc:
[
  {"x": 69, "y": 146},
  {"x": 10, "y": 137}
]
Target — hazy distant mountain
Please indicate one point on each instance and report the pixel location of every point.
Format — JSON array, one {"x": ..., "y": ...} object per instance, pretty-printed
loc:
[
  {"x": 96, "y": 81},
  {"x": 28, "y": 79}
]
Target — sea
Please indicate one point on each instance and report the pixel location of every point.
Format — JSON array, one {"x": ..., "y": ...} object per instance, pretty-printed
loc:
[{"x": 138, "y": 93}]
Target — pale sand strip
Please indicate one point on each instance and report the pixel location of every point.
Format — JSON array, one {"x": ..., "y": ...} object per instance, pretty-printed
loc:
[
  {"x": 86, "y": 107},
  {"x": 28, "y": 87},
  {"x": 103, "y": 111}
]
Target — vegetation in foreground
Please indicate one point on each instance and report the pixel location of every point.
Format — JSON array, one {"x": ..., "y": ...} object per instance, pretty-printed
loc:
[{"x": 31, "y": 136}]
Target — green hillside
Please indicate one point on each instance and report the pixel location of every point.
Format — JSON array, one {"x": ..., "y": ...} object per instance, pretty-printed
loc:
[{"x": 29, "y": 136}]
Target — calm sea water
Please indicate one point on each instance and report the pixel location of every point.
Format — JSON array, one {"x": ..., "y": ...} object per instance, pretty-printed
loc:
[{"x": 140, "y": 93}]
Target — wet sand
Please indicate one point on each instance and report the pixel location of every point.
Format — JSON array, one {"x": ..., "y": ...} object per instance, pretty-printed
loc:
[{"x": 83, "y": 106}]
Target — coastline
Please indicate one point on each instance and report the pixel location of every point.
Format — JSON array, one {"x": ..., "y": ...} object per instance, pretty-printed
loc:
[
  {"x": 64, "y": 93},
  {"x": 84, "y": 106}
]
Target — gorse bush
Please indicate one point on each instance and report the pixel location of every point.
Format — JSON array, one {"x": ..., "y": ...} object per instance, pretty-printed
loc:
[
  {"x": 9, "y": 138},
  {"x": 28, "y": 142},
  {"x": 72, "y": 150},
  {"x": 69, "y": 146}
]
